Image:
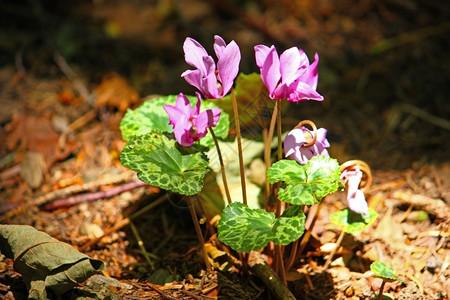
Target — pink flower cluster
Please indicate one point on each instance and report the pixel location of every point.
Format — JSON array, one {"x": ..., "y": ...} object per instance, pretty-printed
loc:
[{"x": 289, "y": 76}]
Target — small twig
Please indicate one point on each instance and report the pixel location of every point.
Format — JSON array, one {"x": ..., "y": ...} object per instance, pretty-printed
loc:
[
  {"x": 421, "y": 114},
  {"x": 70, "y": 74},
  {"x": 141, "y": 244},
  {"x": 83, "y": 120},
  {"x": 160, "y": 292},
  {"x": 75, "y": 189},
  {"x": 338, "y": 244},
  {"x": 88, "y": 197}
]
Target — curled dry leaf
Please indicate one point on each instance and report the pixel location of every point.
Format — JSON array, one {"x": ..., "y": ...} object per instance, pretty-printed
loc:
[{"x": 45, "y": 262}]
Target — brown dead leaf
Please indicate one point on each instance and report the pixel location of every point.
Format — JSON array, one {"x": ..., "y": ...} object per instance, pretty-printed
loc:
[
  {"x": 114, "y": 91},
  {"x": 27, "y": 132}
]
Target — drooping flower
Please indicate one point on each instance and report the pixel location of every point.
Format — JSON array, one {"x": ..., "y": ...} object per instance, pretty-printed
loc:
[
  {"x": 289, "y": 76},
  {"x": 212, "y": 84},
  {"x": 355, "y": 197},
  {"x": 295, "y": 139},
  {"x": 190, "y": 125}
]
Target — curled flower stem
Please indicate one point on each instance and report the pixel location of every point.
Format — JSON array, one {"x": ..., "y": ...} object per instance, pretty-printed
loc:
[
  {"x": 198, "y": 231},
  {"x": 222, "y": 167},
  {"x": 354, "y": 164},
  {"x": 239, "y": 143},
  {"x": 314, "y": 136}
]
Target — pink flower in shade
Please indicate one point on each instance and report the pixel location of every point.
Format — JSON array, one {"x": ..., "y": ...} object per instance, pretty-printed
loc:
[
  {"x": 295, "y": 139},
  {"x": 355, "y": 197},
  {"x": 212, "y": 84},
  {"x": 190, "y": 125},
  {"x": 289, "y": 76}
]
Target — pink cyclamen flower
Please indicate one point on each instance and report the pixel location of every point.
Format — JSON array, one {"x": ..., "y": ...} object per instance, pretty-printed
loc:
[
  {"x": 289, "y": 76},
  {"x": 355, "y": 197},
  {"x": 190, "y": 125},
  {"x": 295, "y": 139},
  {"x": 212, "y": 84}
]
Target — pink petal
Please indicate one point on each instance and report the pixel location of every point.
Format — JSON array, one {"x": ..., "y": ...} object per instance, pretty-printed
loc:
[
  {"x": 194, "y": 53},
  {"x": 270, "y": 71},
  {"x": 206, "y": 119},
  {"x": 261, "y": 52},
  {"x": 181, "y": 124},
  {"x": 312, "y": 76},
  {"x": 281, "y": 92},
  {"x": 209, "y": 87},
  {"x": 228, "y": 67},
  {"x": 219, "y": 45},
  {"x": 290, "y": 65},
  {"x": 193, "y": 77},
  {"x": 321, "y": 137},
  {"x": 304, "y": 92},
  {"x": 293, "y": 141},
  {"x": 196, "y": 109},
  {"x": 357, "y": 203},
  {"x": 183, "y": 104}
]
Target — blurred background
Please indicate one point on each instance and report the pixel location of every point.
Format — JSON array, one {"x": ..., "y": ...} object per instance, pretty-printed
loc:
[{"x": 384, "y": 65}]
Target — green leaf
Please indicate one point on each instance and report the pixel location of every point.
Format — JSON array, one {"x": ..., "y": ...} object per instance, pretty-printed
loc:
[
  {"x": 290, "y": 226},
  {"x": 351, "y": 221},
  {"x": 151, "y": 116},
  {"x": 159, "y": 163},
  {"x": 147, "y": 117},
  {"x": 298, "y": 194},
  {"x": 383, "y": 271},
  {"x": 286, "y": 170},
  {"x": 306, "y": 184},
  {"x": 44, "y": 261},
  {"x": 245, "y": 229}
]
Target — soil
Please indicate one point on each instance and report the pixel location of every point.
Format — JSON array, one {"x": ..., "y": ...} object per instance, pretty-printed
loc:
[{"x": 384, "y": 72}]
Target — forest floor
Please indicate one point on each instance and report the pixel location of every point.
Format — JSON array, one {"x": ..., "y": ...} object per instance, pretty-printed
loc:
[{"x": 384, "y": 104}]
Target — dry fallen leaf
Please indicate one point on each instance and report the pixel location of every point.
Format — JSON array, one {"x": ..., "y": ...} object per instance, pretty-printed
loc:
[
  {"x": 45, "y": 262},
  {"x": 114, "y": 91}
]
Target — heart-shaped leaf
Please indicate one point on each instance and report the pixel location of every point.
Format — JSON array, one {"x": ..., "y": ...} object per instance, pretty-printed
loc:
[
  {"x": 306, "y": 184},
  {"x": 351, "y": 221},
  {"x": 151, "y": 116},
  {"x": 245, "y": 229},
  {"x": 44, "y": 261},
  {"x": 383, "y": 271},
  {"x": 159, "y": 163},
  {"x": 286, "y": 170}
]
